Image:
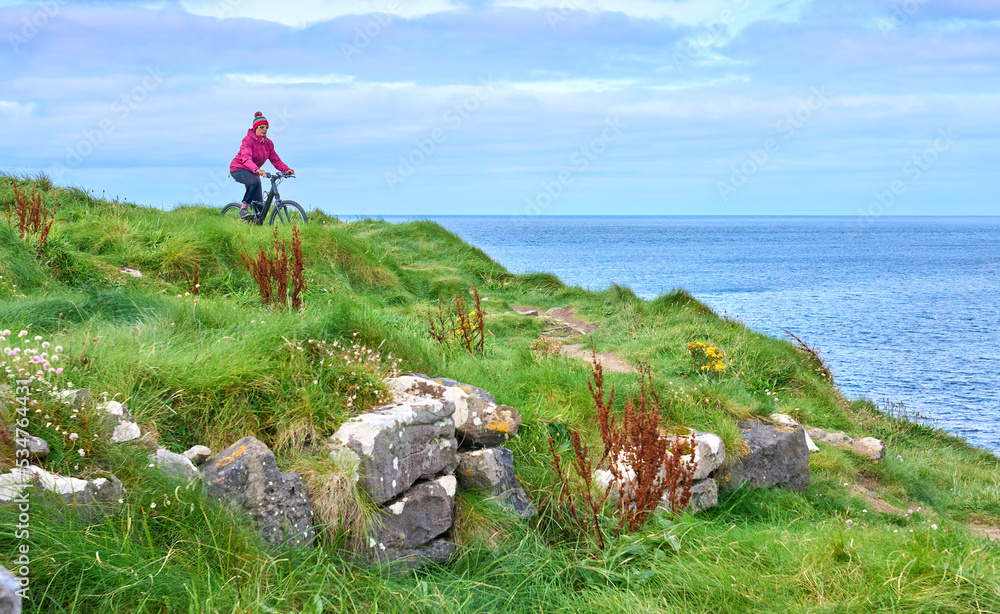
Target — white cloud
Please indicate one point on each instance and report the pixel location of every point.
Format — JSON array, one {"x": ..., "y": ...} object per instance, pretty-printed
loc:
[
  {"x": 307, "y": 12},
  {"x": 16, "y": 110},
  {"x": 734, "y": 13},
  {"x": 263, "y": 79}
]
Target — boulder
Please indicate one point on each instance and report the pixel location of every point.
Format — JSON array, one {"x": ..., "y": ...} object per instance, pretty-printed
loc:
[
  {"x": 704, "y": 494},
  {"x": 788, "y": 420},
  {"x": 466, "y": 388},
  {"x": 122, "y": 427},
  {"x": 393, "y": 447},
  {"x": 771, "y": 456},
  {"x": 410, "y": 526},
  {"x": 837, "y": 439},
  {"x": 709, "y": 453},
  {"x": 89, "y": 499},
  {"x": 10, "y": 600},
  {"x": 491, "y": 470},
  {"x": 37, "y": 447},
  {"x": 479, "y": 421},
  {"x": 198, "y": 454},
  {"x": 176, "y": 466},
  {"x": 246, "y": 478},
  {"x": 869, "y": 446}
]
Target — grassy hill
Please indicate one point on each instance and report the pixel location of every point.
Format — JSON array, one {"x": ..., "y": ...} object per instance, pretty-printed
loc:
[{"x": 212, "y": 367}]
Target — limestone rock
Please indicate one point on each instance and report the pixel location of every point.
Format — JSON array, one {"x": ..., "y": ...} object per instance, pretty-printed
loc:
[
  {"x": 10, "y": 601},
  {"x": 704, "y": 494},
  {"x": 771, "y": 456},
  {"x": 89, "y": 499},
  {"x": 393, "y": 447},
  {"x": 121, "y": 424},
  {"x": 198, "y": 454},
  {"x": 871, "y": 447},
  {"x": 75, "y": 397},
  {"x": 246, "y": 478},
  {"x": 176, "y": 466},
  {"x": 836, "y": 439},
  {"x": 405, "y": 528},
  {"x": 491, "y": 470},
  {"x": 788, "y": 420},
  {"x": 466, "y": 388},
  {"x": 479, "y": 421},
  {"x": 709, "y": 453},
  {"x": 37, "y": 447}
]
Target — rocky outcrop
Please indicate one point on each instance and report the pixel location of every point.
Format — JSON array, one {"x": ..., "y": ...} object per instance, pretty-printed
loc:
[
  {"x": 409, "y": 530},
  {"x": 90, "y": 500},
  {"x": 771, "y": 456},
  {"x": 176, "y": 466},
  {"x": 393, "y": 447},
  {"x": 10, "y": 600},
  {"x": 246, "y": 478},
  {"x": 405, "y": 456},
  {"x": 491, "y": 471}
]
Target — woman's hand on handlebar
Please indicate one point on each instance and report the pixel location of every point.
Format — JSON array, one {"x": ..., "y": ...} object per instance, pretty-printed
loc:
[
  {"x": 290, "y": 171},
  {"x": 261, "y": 172}
]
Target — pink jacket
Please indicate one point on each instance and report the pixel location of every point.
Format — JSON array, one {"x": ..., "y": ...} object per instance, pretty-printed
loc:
[{"x": 254, "y": 150}]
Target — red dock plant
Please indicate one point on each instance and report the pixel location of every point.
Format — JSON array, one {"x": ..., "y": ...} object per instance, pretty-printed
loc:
[
  {"x": 272, "y": 272},
  {"x": 647, "y": 465},
  {"x": 33, "y": 217}
]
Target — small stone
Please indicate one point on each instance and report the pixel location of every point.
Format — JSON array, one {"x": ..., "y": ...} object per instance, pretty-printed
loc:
[{"x": 198, "y": 454}]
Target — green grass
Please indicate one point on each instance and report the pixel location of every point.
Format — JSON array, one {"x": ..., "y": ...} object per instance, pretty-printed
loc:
[{"x": 214, "y": 371}]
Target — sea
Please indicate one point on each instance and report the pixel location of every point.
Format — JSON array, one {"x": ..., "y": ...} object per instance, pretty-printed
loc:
[{"x": 903, "y": 309}]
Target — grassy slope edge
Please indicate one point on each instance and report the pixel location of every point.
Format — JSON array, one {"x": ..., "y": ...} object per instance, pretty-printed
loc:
[{"x": 223, "y": 367}]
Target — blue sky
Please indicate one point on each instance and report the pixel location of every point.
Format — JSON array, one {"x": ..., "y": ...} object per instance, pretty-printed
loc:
[{"x": 556, "y": 107}]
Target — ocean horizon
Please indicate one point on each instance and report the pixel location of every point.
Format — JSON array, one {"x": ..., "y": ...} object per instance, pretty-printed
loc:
[{"x": 903, "y": 308}]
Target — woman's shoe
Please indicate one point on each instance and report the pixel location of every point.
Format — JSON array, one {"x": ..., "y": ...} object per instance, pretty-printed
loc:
[{"x": 245, "y": 212}]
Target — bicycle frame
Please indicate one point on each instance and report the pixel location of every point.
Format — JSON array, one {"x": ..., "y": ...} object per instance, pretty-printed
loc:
[{"x": 271, "y": 195}]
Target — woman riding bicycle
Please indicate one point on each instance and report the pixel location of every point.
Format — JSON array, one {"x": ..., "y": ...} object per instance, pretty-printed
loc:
[{"x": 246, "y": 166}]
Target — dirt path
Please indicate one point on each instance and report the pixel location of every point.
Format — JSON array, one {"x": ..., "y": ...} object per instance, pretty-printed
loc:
[{"x": 562, "y": 323}]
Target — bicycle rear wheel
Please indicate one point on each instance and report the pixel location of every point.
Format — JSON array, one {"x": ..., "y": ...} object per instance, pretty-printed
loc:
[
  {"x": 286, "y": 212},
  {"x": 232, "y": 210}
]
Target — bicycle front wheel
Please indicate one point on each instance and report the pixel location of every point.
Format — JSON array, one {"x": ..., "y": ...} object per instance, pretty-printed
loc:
[{"x": 287, "y": 211}]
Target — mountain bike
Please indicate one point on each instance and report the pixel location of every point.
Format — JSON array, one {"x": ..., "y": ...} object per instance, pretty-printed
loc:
[{"x": 284, "y": 210}]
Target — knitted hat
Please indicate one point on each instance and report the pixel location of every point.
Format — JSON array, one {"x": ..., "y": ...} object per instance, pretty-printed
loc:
[{"x": 258, "y": 119}]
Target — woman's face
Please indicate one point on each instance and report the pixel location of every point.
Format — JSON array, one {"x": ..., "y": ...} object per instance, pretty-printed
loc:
[{"x": 262, "y": 130}]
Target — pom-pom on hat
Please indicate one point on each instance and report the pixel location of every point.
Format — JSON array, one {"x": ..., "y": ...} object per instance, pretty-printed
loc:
[{"x": 258, "y": 119}]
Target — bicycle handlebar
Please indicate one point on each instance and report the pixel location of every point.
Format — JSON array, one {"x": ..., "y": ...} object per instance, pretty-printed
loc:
[{"x": 278, "y": 175}]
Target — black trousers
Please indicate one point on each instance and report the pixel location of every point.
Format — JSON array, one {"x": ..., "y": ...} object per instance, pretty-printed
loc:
[{"x": 252, "y": 182}]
